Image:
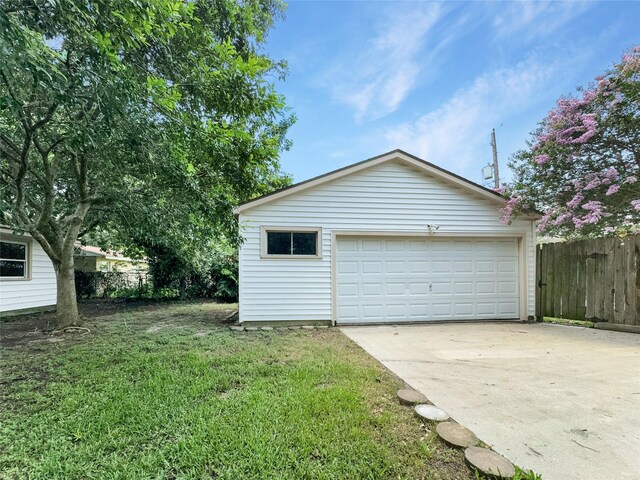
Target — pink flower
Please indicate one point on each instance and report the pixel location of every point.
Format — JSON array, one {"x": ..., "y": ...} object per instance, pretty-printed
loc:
[
  {"x": 575, "y": 201},
  {"x": 611, "y": 173},
  {"x": 612, "y": 189},
  {"x": 595, "y": 212},
  {"x": 562, "y": 218},
  {"x": 511, "y": 205},
  {"x": 631, "y": 179},
  {"x": 542, "y": 159},
  {"x": 578, "y": 223},
  {"x": 636, "y": 204},
  {"x": 593, "y": 184},
  {"x": 631, "y": 61},
  {"x": 544, "y": 221}
]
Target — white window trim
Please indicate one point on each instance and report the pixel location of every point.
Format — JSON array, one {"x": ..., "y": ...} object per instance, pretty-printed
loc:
[
  {"x": 27, "y": 256},
  {"x": 263, "y": 241}
]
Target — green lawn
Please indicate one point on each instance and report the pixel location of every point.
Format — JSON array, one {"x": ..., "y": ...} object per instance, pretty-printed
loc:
[{"x": 170, "y": 393}]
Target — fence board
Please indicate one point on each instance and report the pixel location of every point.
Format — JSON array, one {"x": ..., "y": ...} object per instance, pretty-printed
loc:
[
  {"x": 609, "y": 278},
  {"x": 572, "y": 304},
  {"x": 596, "y": 279},
  {"x": 634, "y": 281},
  {"x": 599, "y": 285},
  {"x": 581, "y": 290},
  {"x": 557, "y": 280},
  {"x": 538, "y": 280},
  {"x": 618, "y": 283}
]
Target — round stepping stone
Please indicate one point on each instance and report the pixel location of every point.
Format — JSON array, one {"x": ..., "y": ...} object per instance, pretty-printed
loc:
[
  {"x": 308, "y": 327},
  {"x": 409, "y": 396},
  {"x": 266, "y": 329},
  {"x": 489, "y": 462},
  {"x": 237, "y": 329},
  {"x": 251, "y": 329},
  {"x": 456, "y": 435},
  {"x": 431, "y": 412}
]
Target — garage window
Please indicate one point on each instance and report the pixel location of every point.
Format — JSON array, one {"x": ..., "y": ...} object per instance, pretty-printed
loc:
[
  {"x": 14, "y": 260},
  {"x": 283, "y": 242}
]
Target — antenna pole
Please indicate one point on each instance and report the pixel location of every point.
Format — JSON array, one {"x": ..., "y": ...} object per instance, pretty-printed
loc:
[{"x": 496, "y": 175}]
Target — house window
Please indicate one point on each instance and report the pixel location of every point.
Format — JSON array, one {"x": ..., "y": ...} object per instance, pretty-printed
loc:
[
  {"x": 13, "y": 259},
  {"x": 294, "y": 242}
]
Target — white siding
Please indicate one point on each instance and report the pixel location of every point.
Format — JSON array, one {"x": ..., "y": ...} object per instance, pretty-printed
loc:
[
  {"x": 390, "y": 197},
  {"x": 39, "y": 291}
]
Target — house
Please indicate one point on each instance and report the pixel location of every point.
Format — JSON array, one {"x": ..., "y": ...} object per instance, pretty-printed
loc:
[
  {"x": 93, "y": 259},
  {"x": 392, "y": 239},
  {"x": 27, "y": 276}
]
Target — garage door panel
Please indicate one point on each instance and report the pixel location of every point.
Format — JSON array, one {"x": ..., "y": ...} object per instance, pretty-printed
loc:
[
  {"x": 371, "y": 245},
  {"x": 369, "y": 266},
  {"x": 348, "y": 313},
  {"x": 507, "y": 266},
  {"x": 441, "y": 288},
  {"x": 372, "y": 312},
  {"x": 395, "y": 288},
  {"x": 418, "y": 266},
  {"x": 345, "y": 267},
  {"x": 441, "y": 310},
  {"x": 348, "y": 289},
  {"x": 396, "y": 280},
  {"x": 416, "y": 288},
  {"x": 395, "y": 266},
  {"x": 507, "y": 308},
  {"x": 396, "y": 311},
  {"x": 486, "y": 309},
  {"x": 372, "y": 289},
  {"x": 462, "y": 309},
  {"x": 463, "y": 288}
]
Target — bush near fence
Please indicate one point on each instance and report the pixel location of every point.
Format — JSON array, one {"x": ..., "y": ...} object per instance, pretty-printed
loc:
[
  {"x": 111, "y": 284},
  {"x": 128, "y": 285}
]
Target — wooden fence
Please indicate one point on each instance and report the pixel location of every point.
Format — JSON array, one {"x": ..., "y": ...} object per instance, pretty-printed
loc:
[{"x": 597, "y": 279}]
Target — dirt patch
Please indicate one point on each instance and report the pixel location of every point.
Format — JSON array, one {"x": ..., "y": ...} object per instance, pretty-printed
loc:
[{"x": 33, "y": 329}]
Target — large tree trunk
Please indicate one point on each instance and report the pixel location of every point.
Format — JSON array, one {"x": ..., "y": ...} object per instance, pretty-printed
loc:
[{"x": 67, "y": 308}]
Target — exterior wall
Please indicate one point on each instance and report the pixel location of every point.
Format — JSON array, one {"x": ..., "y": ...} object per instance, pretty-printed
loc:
[
  {"x": 390, "y": 197},
  {"x": 124, "y": 266},
  {"x": 86, "y": 263},
  {"x": 37, "y": 291}
]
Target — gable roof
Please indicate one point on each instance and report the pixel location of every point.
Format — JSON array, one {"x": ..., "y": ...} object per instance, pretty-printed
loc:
[{"x": 394, "y": 155}]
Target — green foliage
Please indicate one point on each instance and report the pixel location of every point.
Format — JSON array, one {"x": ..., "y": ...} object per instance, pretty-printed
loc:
[
  {"x": 211, "y": 274},
  {"x": 150, "y": 118},
  {"x": 143, "y": 396},
  {"x": 581, "y": 169}
]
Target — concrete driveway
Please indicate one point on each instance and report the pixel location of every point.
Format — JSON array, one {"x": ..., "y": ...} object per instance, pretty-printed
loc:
[{"x": 563, "y": 401}]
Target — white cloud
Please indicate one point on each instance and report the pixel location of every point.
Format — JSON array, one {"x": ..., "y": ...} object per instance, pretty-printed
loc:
[
  {"x": 456, "y": 134},
  {"x": 532, "y": 18},
  {"x": 376, "y": 79}
]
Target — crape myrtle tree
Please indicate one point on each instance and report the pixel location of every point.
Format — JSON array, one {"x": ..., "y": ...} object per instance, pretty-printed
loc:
[
  {"x": 150, "y": 117},
  {"x": 582, "y": 165}
]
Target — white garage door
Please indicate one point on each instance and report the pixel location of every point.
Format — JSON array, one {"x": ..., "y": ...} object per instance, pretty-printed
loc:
[{"x": 409, "y": 280}]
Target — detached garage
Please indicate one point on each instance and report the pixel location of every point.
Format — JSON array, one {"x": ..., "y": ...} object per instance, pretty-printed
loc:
[{"x": 389, "y": 240}]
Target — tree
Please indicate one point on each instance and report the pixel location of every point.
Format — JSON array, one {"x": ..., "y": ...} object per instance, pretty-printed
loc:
[
  {"x": 151, "y": 117},
  {"x": 583, "y": 162}
]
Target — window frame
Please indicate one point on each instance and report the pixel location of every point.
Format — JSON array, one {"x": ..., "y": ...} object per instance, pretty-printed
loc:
[
  {"x": 27, "y": 256},
  {"x": 264, "y": 230}
]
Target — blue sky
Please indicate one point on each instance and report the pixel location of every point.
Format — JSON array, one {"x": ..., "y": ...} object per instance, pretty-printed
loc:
[{"x": 434, "y": 78}]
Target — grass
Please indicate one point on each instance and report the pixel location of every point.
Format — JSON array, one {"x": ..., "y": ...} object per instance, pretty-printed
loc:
[
  {"x": 567, "y": 321},
  {"x": 168, "y": 392}
]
